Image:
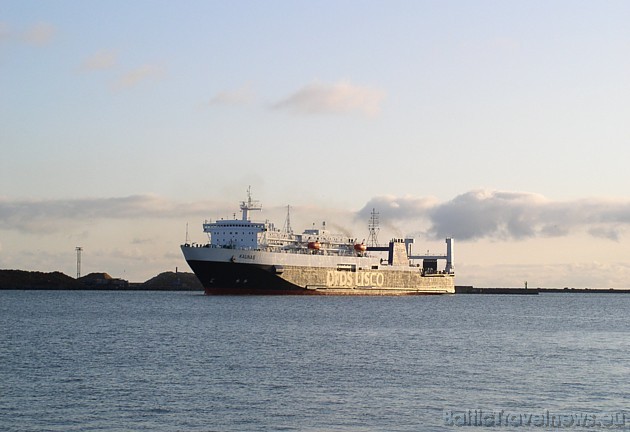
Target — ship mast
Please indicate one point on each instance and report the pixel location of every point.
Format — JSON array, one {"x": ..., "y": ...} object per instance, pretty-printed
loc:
[
  {"x": 287, "y": 223},
  {"x": 250, "y": 204},
  {"x": 373, "y": 227}
]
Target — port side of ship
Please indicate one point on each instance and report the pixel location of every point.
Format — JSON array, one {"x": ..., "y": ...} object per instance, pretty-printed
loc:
[{"x": 246, "y": 257}]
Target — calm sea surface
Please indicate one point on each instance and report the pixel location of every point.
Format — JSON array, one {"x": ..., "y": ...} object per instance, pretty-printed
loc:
[{"x": 173, "y": 361}]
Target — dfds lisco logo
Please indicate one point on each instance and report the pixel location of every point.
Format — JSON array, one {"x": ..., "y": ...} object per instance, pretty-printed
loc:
[{"x": 350, "y": 279}]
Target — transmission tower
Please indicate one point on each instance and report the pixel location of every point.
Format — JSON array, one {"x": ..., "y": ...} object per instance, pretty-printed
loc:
[
  {"x": 78, "y": 249},
  {"x": 373, "y": 227}
]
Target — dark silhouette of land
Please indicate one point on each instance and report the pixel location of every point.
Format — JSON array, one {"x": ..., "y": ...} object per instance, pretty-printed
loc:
[{"x": 34, "y": 280}]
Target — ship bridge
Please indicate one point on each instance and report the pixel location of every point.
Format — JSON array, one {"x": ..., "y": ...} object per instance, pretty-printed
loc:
[{"x": 234, "y": 233}]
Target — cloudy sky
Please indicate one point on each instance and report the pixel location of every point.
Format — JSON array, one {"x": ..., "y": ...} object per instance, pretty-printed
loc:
[{"x": 502, "y": 124}]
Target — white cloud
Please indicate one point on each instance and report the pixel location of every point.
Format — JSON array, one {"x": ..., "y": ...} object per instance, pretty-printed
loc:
[
  {"x": 343, "y": 97},
  {"x": 604, "y": 232},
  {"x": 5, "y": 32},
  {"x": 40, "y": 34},
  {"x": 140, "y": 241},
  {"x": 507, "y": 215},
  {"x": 476, "y": 214},
  {"x": 137, "y": 76},
  {"x": 240, "y": 96},
  {"x": 100, "y": 60},
  {"x": 398, "y": 208},
  {"x": 40, "y": 216}
]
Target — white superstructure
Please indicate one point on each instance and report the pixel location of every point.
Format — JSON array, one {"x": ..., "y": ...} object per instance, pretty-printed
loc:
[{"x": 264, "y": 236}]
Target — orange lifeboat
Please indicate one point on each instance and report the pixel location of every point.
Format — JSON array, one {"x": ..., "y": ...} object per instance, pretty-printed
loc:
[
  {"x": 314, "y": 245},
  {"x": 360, "y": 247}
]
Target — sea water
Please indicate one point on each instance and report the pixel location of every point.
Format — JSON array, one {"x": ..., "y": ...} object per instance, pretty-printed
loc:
[{"x": 181, "y": 361}]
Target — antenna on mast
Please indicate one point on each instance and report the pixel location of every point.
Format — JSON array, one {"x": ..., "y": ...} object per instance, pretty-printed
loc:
[
  {"x": 248, "y": 205},
  {"x": 373, "y": 227},
  {"x": 287, "y": 223}
]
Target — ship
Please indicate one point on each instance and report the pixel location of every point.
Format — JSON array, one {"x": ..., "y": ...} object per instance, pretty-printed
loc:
[{"x": 250, "y": 257}]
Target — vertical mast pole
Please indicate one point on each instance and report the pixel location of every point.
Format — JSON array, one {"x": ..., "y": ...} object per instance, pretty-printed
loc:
[{"x": 78, "y": 249}]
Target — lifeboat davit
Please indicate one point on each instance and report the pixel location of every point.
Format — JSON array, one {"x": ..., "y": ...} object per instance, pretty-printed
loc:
[
  {"x": 314, "y": 245},
  {"x": 360, "y": 247}
]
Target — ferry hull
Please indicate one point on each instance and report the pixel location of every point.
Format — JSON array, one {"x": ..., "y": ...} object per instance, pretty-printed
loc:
[{"x": 233, "y": 278}]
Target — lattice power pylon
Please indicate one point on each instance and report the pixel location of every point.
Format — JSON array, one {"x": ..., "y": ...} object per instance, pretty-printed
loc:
[{"x": 78, "y": 249}]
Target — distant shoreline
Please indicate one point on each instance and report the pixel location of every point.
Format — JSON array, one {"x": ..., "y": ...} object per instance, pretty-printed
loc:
[
  {"x": 34, "y": 280},
  {"x": 535, "y": 291},
  {"x": 177, "y": 281}
]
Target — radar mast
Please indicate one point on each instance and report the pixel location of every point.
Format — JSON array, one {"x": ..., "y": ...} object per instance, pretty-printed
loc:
[
  {"x": 373, "y": 227},
  {"x": 250, "y": 204},
  {"x": 287, "y": 222}
]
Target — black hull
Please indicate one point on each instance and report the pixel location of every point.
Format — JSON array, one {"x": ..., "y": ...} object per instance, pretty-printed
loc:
[
  {"x": 231, "y": 278},
  {"x": 234, "y": 278}
]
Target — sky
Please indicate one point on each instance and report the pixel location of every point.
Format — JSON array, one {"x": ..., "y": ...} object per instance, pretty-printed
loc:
[{"x": 504, "y": 124}]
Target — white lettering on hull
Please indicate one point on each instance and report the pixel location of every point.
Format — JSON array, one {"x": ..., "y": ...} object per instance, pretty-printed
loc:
[{"x": 349, "y": 279}]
